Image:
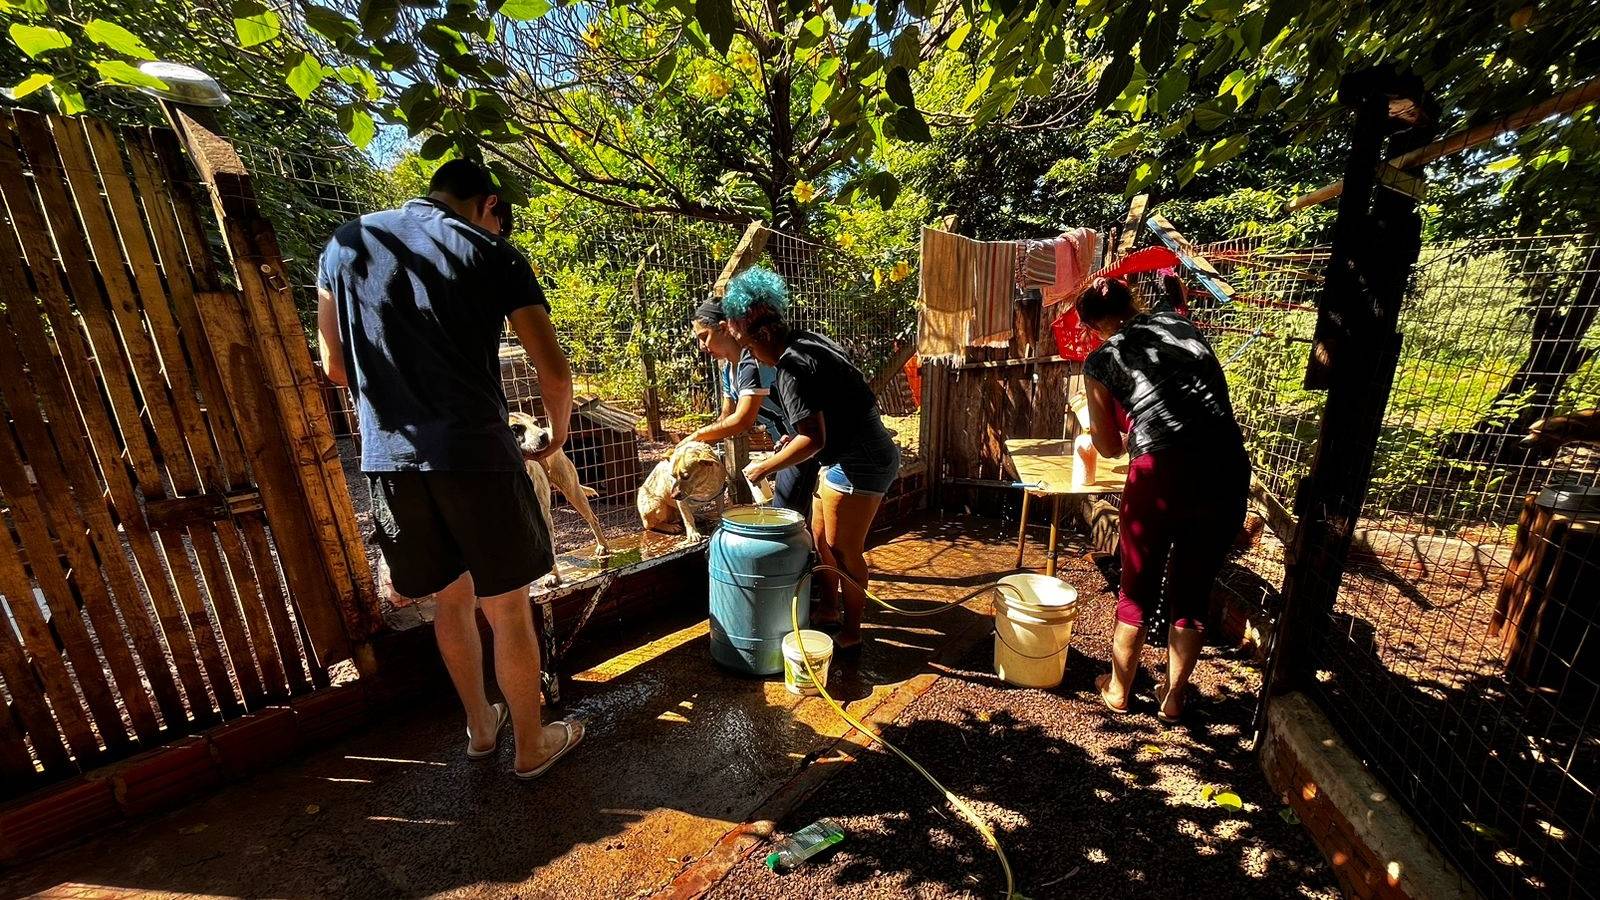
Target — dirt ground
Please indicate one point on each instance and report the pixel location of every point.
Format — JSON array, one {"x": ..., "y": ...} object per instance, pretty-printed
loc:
[{"x": 1084, "y": 804}]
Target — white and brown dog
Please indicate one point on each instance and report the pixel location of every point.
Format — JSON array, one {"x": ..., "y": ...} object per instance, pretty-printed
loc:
[
  {"x": 556, "y": 469},
  {"x": 686, "y": 486}
]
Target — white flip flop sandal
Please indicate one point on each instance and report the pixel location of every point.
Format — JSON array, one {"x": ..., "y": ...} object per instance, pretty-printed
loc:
[
  {"x": 502, "y": 716},
  {"x": 571, "y": 742}
]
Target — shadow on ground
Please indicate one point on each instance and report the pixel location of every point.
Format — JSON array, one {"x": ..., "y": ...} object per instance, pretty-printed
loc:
[{"x": 1085, "y": 803}]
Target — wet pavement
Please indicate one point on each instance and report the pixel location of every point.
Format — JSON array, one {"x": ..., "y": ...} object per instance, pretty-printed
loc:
[{"x": 678, "y": 752}]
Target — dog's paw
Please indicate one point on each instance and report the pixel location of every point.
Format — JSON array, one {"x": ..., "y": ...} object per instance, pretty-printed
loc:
[{"x": 601, "y": 551}]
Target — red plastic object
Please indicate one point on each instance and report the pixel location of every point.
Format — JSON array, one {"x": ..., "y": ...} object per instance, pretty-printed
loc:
[
  {"x": 1073, "y": 341},
  {"x": 1147, "y": 260}
]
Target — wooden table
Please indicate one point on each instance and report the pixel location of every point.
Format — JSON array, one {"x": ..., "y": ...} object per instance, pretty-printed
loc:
[{"x": 1044, "y": 467}]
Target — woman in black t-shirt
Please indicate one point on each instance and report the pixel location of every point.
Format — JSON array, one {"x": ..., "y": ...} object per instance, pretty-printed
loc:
[
  {"x": 834, "y": 416},
  {"x": 1188, "y": 478},
  {"x": 747, "y": 401}
]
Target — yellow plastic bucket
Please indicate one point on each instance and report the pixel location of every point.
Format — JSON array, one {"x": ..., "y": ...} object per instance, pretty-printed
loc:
[
  {"x": 819, "y": 647},
  {"x": 1032, "y": 629}
]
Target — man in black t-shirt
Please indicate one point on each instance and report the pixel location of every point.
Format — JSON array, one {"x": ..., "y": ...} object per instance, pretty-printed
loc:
[{"x": 411, "y": 306}]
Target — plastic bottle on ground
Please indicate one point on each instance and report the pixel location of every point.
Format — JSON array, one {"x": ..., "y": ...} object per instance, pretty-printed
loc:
[{"x": 804, "y": 844}]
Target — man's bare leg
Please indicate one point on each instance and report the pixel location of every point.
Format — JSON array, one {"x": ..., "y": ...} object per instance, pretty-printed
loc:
[
  {"x": 516, "y": 668},
  {"x": 456, "y": 628}
]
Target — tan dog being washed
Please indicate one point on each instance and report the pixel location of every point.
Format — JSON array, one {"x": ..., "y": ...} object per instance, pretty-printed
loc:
[
  {"x": 558, "y": 470},
  {"x": 685, "y": 486}
]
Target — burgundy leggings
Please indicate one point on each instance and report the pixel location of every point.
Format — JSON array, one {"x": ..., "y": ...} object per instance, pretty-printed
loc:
[{"x": 1181, "y": 511}]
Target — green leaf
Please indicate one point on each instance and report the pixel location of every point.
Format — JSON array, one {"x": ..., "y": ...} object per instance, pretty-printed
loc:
[
  {"x": 811, "y": 33},
  {"x": 397, "y": 54},
  {"x": 1113, "y": 80},
  {"x": 1171, "y": 88},
  {"x": 420, "y": 106},
  {"x": 1176, "y": 126},
  {"x": 979, "y": 88},
  {"x": 1125, "y": 27},
  {"x": 355, "y": 76},
  {"x": 1228, "y": 799},
  {"x": 524, "y": 10},
  {"x": 1161, "y": 35},
  {"x": 820, "y": 89},
  {"x": 254, "y": 23},
  {"x": 664, "y": 68},
  {"x": 444, "y": 40},
  {"x": 1142, "y": 175},
  {"x": 357, "y": 124},
  {"x": 28, "y": 85},
  {"x": 907, "y": 50},
  {"x": 378, "y": 17},
  {"x": 36, "y": 40},
  {"x": 69, "y": 102},
  {"x": 898, "y": 86},
  {"x": 1226, "y": 149},
  {"x": 1125, "y": 143},
  {"x": 959, "y": 36},
  {"x": 1213, "y": 114},
  {"x": 1504, "y": 165},
  {"x": 716, "y": 19},
  {"x": 119, "y": 72},
  {"x": 1279, "y": 14},
  {"x": 437, "y": 146},
  {"x": 1231, "y": 81},
  {"x": 117, "y": 38},
  {"x": 909, "y": 125},
  {"x": 885, "y": 187},
  {"x": 306, "y": 76},
  {"x": 331, "y": 25}
]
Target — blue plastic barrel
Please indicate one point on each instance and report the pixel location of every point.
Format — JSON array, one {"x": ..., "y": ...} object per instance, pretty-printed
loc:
[{"x": 759, "y": 558}]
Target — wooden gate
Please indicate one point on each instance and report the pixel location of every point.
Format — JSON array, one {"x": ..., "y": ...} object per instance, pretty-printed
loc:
[{"x": 176, "y": 548}]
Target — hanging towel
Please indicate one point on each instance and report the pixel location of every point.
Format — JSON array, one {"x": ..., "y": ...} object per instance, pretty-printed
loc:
[
  {"x": 1036, "y": 264},
  {"x": 995, "y": 280},
  {"x": 1077, "y": 255},
  {"x": 944, "y": 320}
]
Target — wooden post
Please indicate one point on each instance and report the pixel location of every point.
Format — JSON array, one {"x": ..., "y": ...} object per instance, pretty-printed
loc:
[
  {"x": 1376, "y": 242},
  {"x": 298, "y": 415},
  {"x": 1129, "y": 232},
  {"x": 652, "y": 393},
  {"x": 736, "y": 450}
]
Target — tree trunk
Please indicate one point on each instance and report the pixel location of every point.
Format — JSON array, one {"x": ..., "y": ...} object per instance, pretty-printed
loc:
[{"x": 1554, "y": 356}]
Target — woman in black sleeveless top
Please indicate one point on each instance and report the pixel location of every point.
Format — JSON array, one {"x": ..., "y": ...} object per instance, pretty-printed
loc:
[{"x": 1188, "y": 478}]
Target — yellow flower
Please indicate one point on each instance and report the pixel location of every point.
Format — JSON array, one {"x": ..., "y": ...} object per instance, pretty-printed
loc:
[
  {"x": 877, "y": 278},
  {"x": 712, "y": 85},
  {"x": 846, "y": 240},
  {"x": 900, "y": 272},
  {"x": 804, "y": 192},
  {"x": 591, "y": 36}
]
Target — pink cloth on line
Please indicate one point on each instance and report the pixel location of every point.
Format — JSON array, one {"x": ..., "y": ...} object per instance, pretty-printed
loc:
[{"x": 1077, "y": 253}]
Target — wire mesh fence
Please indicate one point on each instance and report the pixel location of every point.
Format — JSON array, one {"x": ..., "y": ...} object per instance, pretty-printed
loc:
[{"x": 1461, "y": 658}]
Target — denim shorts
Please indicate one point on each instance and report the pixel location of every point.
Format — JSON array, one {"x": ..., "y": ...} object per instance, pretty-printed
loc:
[{"x": 869, "y": 469}]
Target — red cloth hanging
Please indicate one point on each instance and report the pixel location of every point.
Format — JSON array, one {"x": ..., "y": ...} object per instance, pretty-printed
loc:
[{"x": 914, "y": 378}]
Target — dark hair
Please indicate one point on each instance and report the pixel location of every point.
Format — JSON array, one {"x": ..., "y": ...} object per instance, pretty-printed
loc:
[
  {"x": 765, "y": 323},
  {"x": 1105, "y": 298},
  {"x": 462, "y": 179},
  {"x": 709, "y": 313},
  {"x": 506, "y": 218}
]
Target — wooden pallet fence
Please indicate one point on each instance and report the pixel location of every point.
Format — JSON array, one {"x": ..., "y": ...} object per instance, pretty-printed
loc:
[{"x": 158, "y": 568}]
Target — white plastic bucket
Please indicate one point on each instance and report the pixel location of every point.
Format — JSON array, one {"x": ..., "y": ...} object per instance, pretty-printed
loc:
[
  {"x": 819, "y": 646},
  {"x": 1033, "y": 628}
]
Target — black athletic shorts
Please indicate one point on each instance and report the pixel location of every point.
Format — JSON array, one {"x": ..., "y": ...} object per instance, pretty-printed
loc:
[{"x": 432, "y": 526}]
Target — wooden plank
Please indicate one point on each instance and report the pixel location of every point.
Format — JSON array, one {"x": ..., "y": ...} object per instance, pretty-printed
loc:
[
  {"x": 1202, "y": 269},
  {"x": 892, "y": 368},
  {"x": 1565, "y": 102},
  {"x": 295, "y": 389},
  {"x": 32, "y": 527},
  {"x": 79, "y": 139},
  {"x": 252, "y": 409},
  {"x": 749, "y": 249},
  {"x": 75, "y": 357},
  {"x": 283, "y": 631},
  {"x": 1129, "y": 234},
  {"x": 23, "y": 680},
  {"x": 80, "y": 279},
  {"x": 185, "y": 271},
  {"x": 17, "y": 771}
]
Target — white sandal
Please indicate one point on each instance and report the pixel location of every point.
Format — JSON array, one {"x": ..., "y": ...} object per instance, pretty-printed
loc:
[
  {"x": 571, "y": 742},
  {"x": 502, "y": 716}
]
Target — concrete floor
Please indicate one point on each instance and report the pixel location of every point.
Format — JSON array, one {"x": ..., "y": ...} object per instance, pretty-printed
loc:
[{"x": 678, "y": 753}]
